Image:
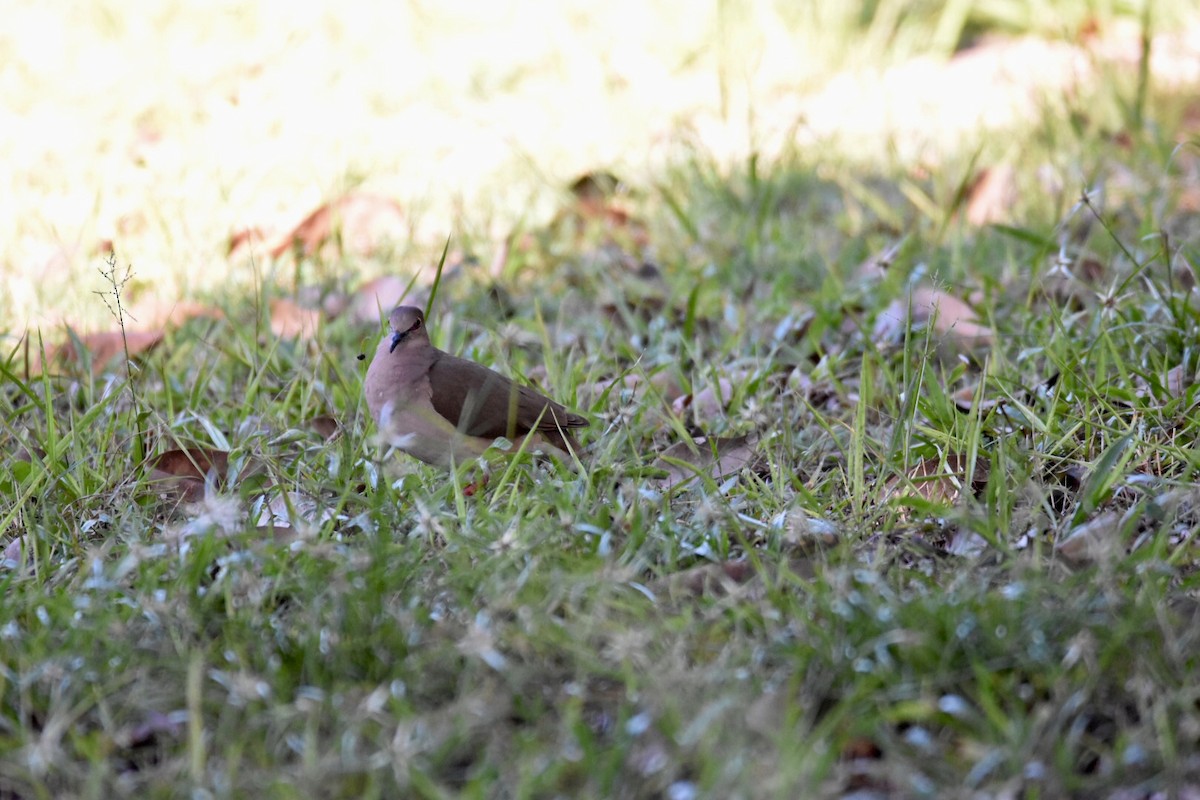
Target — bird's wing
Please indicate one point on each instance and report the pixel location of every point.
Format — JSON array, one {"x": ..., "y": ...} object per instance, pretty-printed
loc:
[{"x": 481, "y": 402}]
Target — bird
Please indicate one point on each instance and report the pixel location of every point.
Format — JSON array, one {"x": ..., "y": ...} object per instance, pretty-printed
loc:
[{"x": 446, "y": 410}]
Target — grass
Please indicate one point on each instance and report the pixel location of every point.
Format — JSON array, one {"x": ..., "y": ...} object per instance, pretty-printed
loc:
[{"x": 813, "y": 627}]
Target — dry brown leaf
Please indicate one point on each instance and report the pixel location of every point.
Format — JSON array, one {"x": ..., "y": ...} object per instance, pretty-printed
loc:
[
  {"x": 766, "y": 714},
  {"x": 245, "y": 238},
  {"x": 103, "y": 347},
  {"x": 182, "y": 473},
  {"x": 1173, "y": 385},
  {"x": 358, "y": 221},
  {"x": 154, "y": 727},
  {"x": 1189, "y": 199},
  {"x": 938, "y": 482},
  {"x": 966, "y": 544},
  {"x": 500, "y": 257},
  {"x": 594, "y": 187},
  {"x": 647, "y": 308},
  {"x": 708, "y": 579},
  {"x": 375, "y": 298},
  {"x": 861, "y": 747},
  {"x": 330, "y": 303},
  {"x": 597, "y": 200},
  {"x": 11, "y": 558},
  {"x": 289, "y": 320},
  {"x": 26, "y": 454},
  {"x": 664, "y": 382},
  {"x": 155, "y": 313},
  {"x": 806, "y": 532},
  {"x": 708, "y": 403},
  {"x": 949, "y": 316},
  {"x": 325, "y": 425},
  {"x": 889, "y": 325},
  {"x": 1182, "y": 272},
  {"x": 597, "y": 196},
  {"x": 1093, "y": 541},
  {"x": 964, "y": 400},
  {"x": 714, "y": 457},
  {"x": 992, "y": 196},
  {"x": 291, "y": 510},
  {"x": 361, "y": 220}
]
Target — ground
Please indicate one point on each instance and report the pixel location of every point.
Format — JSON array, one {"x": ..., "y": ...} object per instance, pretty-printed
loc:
[{"x": 890, "y": 484}]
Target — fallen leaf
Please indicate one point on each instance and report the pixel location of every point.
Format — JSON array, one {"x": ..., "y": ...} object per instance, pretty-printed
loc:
[
  {"x": 1173, "y": 384},
  {"x": 595, "y": 196},
  {"x": 890, "y": 324},
  {"x": 13, "y": 552},
  {"x": 966, "y": 544},
  {"x": 938, "y": 482},
  {"x": 719, "y": 579},
  {"x": 500, "y": 257},
  {"x": 155, "y": 313},
  {"x": 291, "y": 510},
  {"x": 374, "y": 299},
  {"x": 598, "y": 200},
  {"x": 245, "y": 238},
  {"x": 707, "y": 404},
  {"x": 594, "y": 187},
  {"x": 102, "y": 347},
  {"x": 153, "y": 727},
  {"x": 182, "y": 473},
  {"x": 635, "y": 384},
  {"x": 992, "y": 196},
  {"x": 710, "y": 579},
  {"x": 1183, "y": 273},
  {"x": 964, "y": 400},
  {"x": 360, "y": 220},
  {"x": 27, "y": 455},
  {"x": 949, "y": 316},
  {"x": 861, "y": 747},
  {"x": 325, "y": 425},
  {"x": 1093, "y": 541},
  {"x": 712, "y": 457},
  {"x": 806, "y": 532},
  {"x": 290, "y": 320},
  {"x": 794, "y": 327}
]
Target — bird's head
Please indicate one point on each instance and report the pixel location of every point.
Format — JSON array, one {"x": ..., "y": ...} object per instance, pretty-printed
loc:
[{"x": 405, "y": 321}]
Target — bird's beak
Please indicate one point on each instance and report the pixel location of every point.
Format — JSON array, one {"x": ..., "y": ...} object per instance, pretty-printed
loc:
[{"x": 397, "y": 337}]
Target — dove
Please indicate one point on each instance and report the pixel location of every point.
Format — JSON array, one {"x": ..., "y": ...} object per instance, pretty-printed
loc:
[{"x": 446, "y": 410}]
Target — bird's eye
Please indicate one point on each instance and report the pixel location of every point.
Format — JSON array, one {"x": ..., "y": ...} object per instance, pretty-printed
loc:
[{"x": 415, "y": 325}]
